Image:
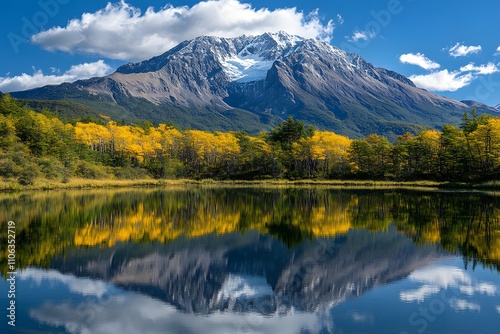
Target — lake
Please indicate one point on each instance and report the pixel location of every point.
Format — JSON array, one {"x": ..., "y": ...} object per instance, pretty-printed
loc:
[{"x": 208, "y": 259}]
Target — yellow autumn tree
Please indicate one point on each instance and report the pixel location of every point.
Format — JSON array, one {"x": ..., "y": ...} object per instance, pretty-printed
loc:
[
  {"x": 169, "y": 139},
  {"x": 331, "y": 150},
  {"x": 127, "y": 141},
  {"x": 325, "y": 153},
  {"x": 226, "y": 150},
  {"x": 97, "y": 137},
  {"x": 484, "y": 145}
]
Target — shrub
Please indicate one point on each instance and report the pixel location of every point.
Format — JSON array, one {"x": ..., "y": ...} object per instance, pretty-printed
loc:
[
  {"x": 9, "y": 168},
  {"x": 129, "y": 173},
  {"x": 89, "y": 171},
  {"x": 28, "y": 175},
  {"x": 51, "y": 168}
]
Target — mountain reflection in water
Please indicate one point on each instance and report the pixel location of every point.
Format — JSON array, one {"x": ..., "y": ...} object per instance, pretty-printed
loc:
[
  {"x": 251, "y": 260},
  {"x": 250, "y": 272}
]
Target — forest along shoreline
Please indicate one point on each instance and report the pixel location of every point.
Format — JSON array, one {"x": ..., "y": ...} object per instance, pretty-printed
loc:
[
  {"x": 39, "y": 150},
  {"x": 79, "y": 184}
]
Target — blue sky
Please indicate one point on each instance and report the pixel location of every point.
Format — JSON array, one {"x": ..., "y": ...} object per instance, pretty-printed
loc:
[{"x": 449, "y": 47}]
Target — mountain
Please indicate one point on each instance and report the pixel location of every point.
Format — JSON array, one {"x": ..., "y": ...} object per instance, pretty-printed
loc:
[
  {"x": 497, "y": 106},
  {"x": 482, "y": 107},
  {"x": 253, "y": 82}
]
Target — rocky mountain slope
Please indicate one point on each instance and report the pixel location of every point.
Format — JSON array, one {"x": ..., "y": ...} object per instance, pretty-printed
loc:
[{"x": 253, "y": 82}]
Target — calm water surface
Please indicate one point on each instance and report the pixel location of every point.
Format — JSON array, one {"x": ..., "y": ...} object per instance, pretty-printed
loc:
[{"x": 246, "y": 260}]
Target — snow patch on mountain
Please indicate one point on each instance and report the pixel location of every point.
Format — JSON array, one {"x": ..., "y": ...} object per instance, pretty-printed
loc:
[{"x": 246, "y": 69}]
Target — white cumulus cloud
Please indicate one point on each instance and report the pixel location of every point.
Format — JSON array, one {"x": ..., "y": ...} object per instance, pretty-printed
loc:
[
  {"x": 361, "y": 35},
  {"x": 459, "y": 50},
  {"x": 498, "y": 51},
  {"x": 121, "y": 31},
  {"x": 83, "y": 286},
  {"x": 38, "y": 78},
  {"x": 484, "y": 288},
  {"x": 442, "y": 81},
  {"x": 489, "y": 68},
  {"x": 418, "y": 59},
  {"x": 420, "y": 294},
  {"x": 434, "y": 279},
  {"x": 463, "y": 305},
  {"x": 441, "y": 276}
]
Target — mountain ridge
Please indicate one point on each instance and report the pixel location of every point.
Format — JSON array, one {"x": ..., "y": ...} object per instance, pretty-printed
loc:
[{"x": 266, "y": 78}]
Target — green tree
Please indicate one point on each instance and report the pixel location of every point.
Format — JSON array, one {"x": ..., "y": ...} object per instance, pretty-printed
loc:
[
  {"x": 283, "y": 137},
  {"x": 478, "y": 133},
  {"x": 453, "y": 159},
  {"x": 370, "y": 157},
  {"x": 256, "y": 158},
  {"x": 29, "y": 130},
  {"x": 470, "y": 123},
  {"x": 416, "y": 157},
  {"x": 289, "y": 132},
  {"x": 10, "y": 106},
  {"x": 484, "y": 148},
  {"x": 7, "y": 132}
]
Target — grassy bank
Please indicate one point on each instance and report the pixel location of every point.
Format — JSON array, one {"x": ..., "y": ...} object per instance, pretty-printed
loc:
[{"x": 77, "y": 183}]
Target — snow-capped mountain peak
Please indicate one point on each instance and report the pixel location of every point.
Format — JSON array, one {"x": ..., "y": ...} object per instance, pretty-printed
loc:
[
  {"x": 243, "y": 59},
  {"x": 257, "y": 56}
]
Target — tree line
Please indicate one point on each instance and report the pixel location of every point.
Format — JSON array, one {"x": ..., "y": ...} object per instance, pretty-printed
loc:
[{"x": 40, "y": 145}]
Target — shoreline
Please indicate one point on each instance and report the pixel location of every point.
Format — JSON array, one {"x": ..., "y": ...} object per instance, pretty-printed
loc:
[{"x": 79, "y": 184}]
